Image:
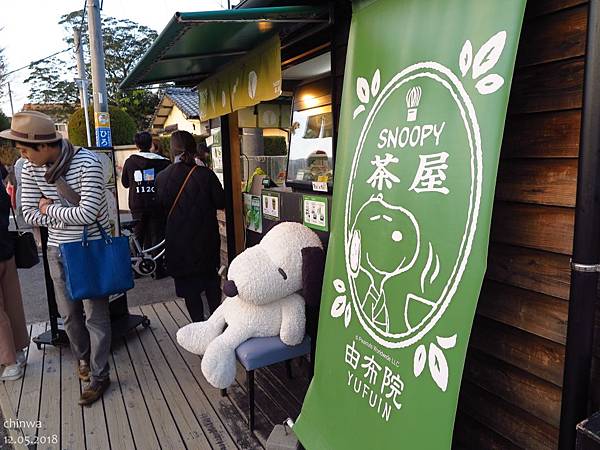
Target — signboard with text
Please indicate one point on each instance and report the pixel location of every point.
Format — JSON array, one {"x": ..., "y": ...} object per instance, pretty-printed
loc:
[
  {"x": 425, "y": 95},
  {"x": 103, "y": 133}
]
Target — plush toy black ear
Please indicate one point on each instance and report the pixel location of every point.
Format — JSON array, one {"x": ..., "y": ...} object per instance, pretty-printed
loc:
[{"x": 313, "y": 266}]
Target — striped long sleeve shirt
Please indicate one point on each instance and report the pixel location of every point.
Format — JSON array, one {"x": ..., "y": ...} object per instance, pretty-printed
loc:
[{"x": 65, "y": 223}]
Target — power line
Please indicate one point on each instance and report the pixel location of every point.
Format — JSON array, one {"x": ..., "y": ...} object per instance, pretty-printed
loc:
[{"x": 35, "y": 62}]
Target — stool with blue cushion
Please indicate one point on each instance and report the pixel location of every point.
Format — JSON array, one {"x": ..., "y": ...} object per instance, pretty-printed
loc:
[{"x": 261, "y": 352}]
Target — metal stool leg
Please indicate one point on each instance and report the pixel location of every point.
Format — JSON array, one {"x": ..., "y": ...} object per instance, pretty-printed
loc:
[
  {"x": 250, "y": 380},
  {"x": 223, "y": 392}
]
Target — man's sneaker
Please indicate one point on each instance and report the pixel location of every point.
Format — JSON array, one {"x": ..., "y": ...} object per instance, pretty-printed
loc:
[
  {"x": 93, "y": 391},
  {"x": 11, "y": 373},
  {"x": 83, "y": 371},
  {"x": 22, "y": 358}
]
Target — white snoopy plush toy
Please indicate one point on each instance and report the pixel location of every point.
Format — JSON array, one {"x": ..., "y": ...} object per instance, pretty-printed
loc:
[{"x": 262, "y": 286}]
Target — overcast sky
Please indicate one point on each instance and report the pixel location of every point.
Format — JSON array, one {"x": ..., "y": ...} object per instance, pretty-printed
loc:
[{"x": 30, "y": 30}]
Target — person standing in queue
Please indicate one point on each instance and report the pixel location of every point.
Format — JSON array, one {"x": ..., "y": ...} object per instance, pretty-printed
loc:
[
  {"x": 190, "y": 196},
  {"x": 14, "y": 337},
  {"x": 139, "y": 175}
]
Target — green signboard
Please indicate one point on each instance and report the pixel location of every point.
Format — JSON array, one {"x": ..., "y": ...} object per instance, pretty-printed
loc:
[{"x": 425, "y": 95}]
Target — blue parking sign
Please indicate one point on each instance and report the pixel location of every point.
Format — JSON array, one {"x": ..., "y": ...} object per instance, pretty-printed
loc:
[{"x": 103, "y": 137}]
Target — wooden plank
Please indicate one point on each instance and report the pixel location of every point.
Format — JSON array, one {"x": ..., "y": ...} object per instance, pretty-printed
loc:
[
  {"x": 547, "y": 87},
  {"x": 539, "y": 7},
  {"x": 470, "y": 434},
  {"x": 212, "y": 426},
  {"x": 553, "y": 37},
  {"x": 514, "y": 424},
  {"x": 515, "y": 386},
  {"x": 235, "y": 407},
  {"x": 529, "y": 311},
  {"x": 50, "y": 395},
  {"x": 533, "y": 354},
  {"x": 539, "y": 271},
  {"x": 29, "y": 403},
  {"x": 149, "y": 416},
  {"x": 13, "y": 432},
  {"x": 176, "y": 399},
  {"x": 14, "y": 388},
  {"x": 538, "y": 181},
  {"x": 267, "y": 402},
  {"x": 231, "y": 418},
  {"x": 94, "y": 419},
  {"x": 552, "y": 134},
  {"x": 547, "y": 228},
  {"x": 296, "y": 387},
  {"x": 72, "y": 433},
  {"x": 119, "y": 431}
]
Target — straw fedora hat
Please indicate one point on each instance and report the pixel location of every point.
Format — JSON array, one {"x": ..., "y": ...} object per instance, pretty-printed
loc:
[{"x": 31, "y": 127}]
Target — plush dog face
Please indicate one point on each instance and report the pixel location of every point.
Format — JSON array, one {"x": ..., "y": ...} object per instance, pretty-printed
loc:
[{"x": 272, "y": 269}]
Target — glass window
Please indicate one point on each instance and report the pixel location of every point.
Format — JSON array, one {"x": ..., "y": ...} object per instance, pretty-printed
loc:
[{"x": 311, "y": 145}]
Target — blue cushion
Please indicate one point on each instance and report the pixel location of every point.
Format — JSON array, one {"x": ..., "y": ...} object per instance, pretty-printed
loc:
[{"x": 264, "y": 351}]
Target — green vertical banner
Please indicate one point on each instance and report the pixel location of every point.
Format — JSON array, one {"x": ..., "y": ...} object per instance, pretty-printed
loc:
[{"x": 425, "y": 96}]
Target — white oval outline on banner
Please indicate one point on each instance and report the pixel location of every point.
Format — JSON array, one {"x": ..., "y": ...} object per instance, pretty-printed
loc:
[{"x": 463, "y": 101}]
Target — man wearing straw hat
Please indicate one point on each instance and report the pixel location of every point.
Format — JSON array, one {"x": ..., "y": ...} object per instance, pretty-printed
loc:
[{"x": 63, "y": 189}]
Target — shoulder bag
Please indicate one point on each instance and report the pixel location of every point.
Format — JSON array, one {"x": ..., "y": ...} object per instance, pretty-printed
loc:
[
  {"x": 26, "y": 251},
  {"x": 96, "y": 268}
]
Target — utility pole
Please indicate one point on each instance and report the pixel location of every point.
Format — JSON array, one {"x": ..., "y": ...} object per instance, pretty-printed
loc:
[
  {"x": 101, "y": 116},
  {"x": 12, "y": 109},
  {"x": 82, "y": 82}
]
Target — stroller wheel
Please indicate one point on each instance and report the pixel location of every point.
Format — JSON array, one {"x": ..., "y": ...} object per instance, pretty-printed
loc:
[{"x": 147, "y": 266}]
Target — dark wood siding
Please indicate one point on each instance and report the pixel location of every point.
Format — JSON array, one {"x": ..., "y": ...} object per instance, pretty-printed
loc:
[{"x": 511, "y": 390}]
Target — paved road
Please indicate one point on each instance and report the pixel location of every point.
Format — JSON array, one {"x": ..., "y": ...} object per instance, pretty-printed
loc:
[{"x": 33, "y": 288}]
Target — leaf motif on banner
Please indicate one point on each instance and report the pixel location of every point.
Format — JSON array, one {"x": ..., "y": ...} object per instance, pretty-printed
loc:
[
  {"x": 419, "y": 360},
  {"x": 446, "y": 343},
  {"x": 489, "y": 84},
  {"x": 466, "y": 58},
  {"x": 438, "y": 366},
  {"x": 362, "y": 89},
  {"x": 358, "y": 110},
  {"x": 375, "y": 83},
  {"x": 347, "y": 315},
  {"x": 338, "y": 306},
  {"x": 489, "y": 54},
  {"x": 339, "y": 286},
  {"x": 252, "y": 84}
]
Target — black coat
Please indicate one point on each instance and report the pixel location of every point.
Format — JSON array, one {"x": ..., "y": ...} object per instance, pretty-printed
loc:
[
  {"x": 139, "y": 173},
  {"x": 192, "y": 234},
  {"x": 6, "y": 241}
]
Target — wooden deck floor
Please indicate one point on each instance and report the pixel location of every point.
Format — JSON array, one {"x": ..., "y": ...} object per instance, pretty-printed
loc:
[{"x": 158, "y": 398}]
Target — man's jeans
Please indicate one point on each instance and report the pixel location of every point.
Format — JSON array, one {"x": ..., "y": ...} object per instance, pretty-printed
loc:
[{"x": 89, "y": 337}]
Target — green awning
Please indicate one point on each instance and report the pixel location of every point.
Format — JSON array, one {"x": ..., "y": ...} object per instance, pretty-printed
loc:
[{"x": 194, "y": 45}]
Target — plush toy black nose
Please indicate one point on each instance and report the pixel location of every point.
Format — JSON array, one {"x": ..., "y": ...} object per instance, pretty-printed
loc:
[{"x": 230, "y": 289}]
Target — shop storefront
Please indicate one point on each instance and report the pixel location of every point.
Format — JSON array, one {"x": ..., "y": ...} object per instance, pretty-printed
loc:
[{"x": 265, "y": 135}]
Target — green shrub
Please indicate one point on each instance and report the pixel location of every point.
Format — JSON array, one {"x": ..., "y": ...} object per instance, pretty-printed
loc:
[{"x": 122, "y": 126}]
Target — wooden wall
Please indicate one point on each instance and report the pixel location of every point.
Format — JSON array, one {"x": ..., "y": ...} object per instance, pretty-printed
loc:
[{"x": 511, "y": 390}]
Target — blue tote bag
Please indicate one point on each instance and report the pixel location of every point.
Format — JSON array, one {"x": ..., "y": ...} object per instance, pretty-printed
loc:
[{"x": 97, "y": 268}]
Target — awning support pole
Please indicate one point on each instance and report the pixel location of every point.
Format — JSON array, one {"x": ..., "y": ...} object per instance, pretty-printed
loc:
[{"x": 586, "y": 246}]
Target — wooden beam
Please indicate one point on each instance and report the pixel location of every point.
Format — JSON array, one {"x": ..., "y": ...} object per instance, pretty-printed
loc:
[{"x": 236, "y": 181}]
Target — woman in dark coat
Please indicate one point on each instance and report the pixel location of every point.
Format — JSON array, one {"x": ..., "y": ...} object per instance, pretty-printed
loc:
[{"x": 192, "y": 235}]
